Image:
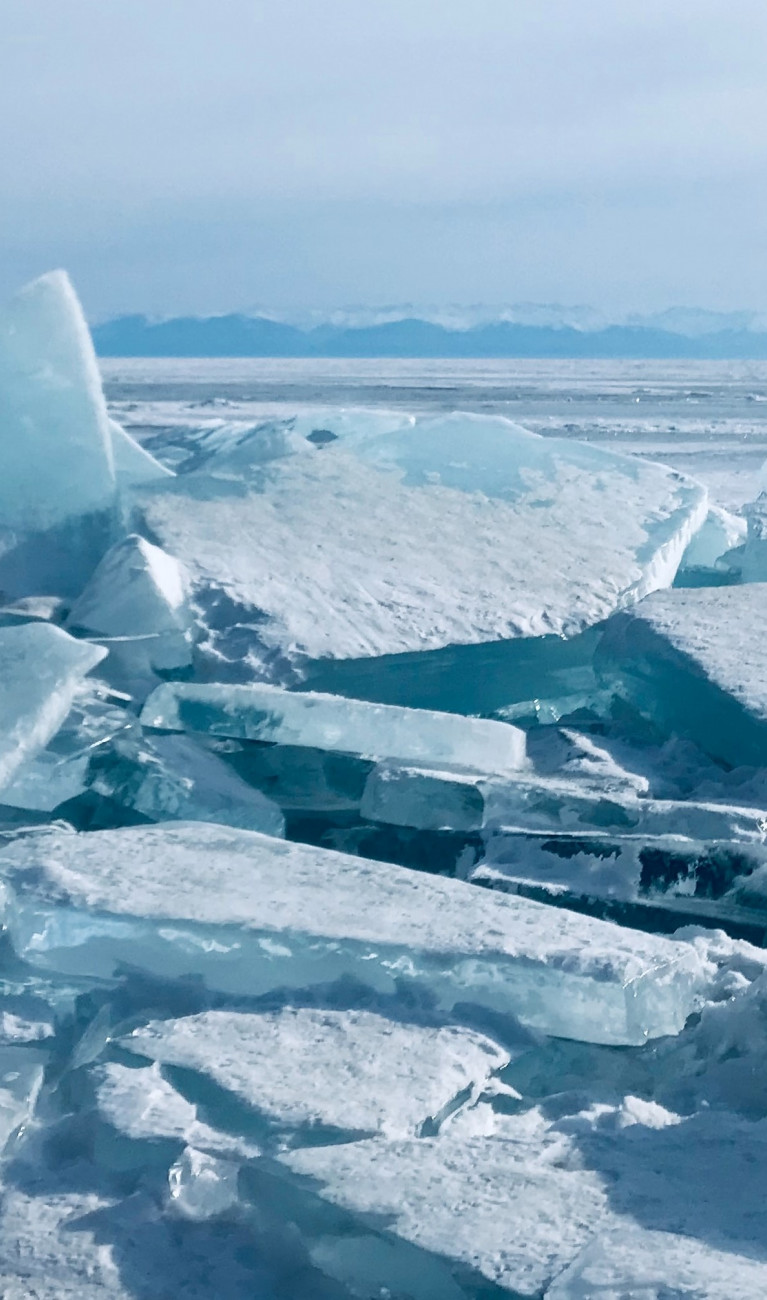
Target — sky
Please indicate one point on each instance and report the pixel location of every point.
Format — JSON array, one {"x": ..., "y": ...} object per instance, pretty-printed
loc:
[{"x": 188, "y": 156}]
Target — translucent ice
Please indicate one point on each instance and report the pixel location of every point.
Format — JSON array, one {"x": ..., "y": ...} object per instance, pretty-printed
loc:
[
  {"x": 693, "y": 660},
  {"x": 201, "y": 1185},
  {"x": 56, "y": 462},
  {"x": 349, "y": 1070},
  {"x": 40, "y": 669},
  {"x": 134, "y": 466},
  {"x": 328, "y": 722},
  {"x": 250, "y": 913},
  {"x": 454, "y": 531}
]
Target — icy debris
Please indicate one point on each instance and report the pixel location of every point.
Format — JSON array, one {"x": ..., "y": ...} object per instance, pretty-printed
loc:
[
  {"x": 455, "y": 531},
  {"x": 137, "y": 601},
  {"x": 21, "y": 1077},
  {"x": 327, "y": 722},
  {"x": 493, "y": 1210},
  {"x": 40, "y": 670},
  {"x": 693, "y": 661},
  {"x": 248, "y": 913},
  {"x": 720, "y": 532},
  {"x": 349, "y": 1070},
  {"x": 202, "y": 1186}
]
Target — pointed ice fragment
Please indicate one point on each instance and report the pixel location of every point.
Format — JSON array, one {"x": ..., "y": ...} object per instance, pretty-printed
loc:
[
  {"x": 349, "y": 1070},
  {"x": 57, "y": 473},
  {"x": 40, "y": 669},
  {"x": 137, "y": 600},
  {"x": 250, "y": 913},
  {"x": 134, "y": 467},
  {"x": 329, "y": 722}
]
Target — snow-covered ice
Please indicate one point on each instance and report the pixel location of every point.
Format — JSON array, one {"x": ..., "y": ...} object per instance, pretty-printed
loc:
[
  {"x": 249, "y": 912},
  {"x": 368, "y": 1074},
  {"x": 455, "y": 531},
  {"x": 694, "y": 661}
]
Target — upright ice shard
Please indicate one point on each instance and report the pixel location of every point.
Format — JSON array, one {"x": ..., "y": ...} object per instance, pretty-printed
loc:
[
  {"x": 58, "y": 492},
  {"x": 40, "y": 669},
  {"x": 328, "y": 722},
  {"x": 137, "y": 601},
  {"x": 453, "y": 532},
  {"x": 250, "y": 913},
  {"x": 693, "y": 661},
  {"x": 134, "y": 466}
]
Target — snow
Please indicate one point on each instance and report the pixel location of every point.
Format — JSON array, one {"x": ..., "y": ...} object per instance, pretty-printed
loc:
[
  {"x": 436, "y": 505},
  {"x": 40, "y": 669},
  {"x": 368, "y": 1073},
  {"x": 320, "y": 721},
  {"x": 247, "y": 911}
]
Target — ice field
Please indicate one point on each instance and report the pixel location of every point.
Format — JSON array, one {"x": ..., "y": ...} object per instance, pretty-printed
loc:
[{"x": 383, "y": 826}]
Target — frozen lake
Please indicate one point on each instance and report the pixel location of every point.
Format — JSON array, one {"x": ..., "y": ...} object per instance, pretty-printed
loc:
[{"x": 708, "y": 419}]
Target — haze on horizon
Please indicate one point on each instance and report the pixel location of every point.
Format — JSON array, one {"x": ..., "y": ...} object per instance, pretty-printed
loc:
[{"x": 178, "y": 157}]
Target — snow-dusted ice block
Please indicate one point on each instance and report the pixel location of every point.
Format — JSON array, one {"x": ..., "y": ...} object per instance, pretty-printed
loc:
[
  {"x": 250, "y": 913},
  {"x": 56, "y": 464},
  {"x": 694, "y": 661},
  {"x": 349, "y": 1070},
  {"x": 329, "y": 722},
  {"x": 500, "y": 1209},
  {"x": 137, "y": 600},
  {"x": 40, "y": 669},
  {"x": 454, "y": 531}
]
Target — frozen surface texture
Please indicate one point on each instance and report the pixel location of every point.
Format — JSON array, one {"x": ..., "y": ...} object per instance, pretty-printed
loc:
[
  {"x": 40, "y": 670},
  {"x": 246, "y": 911},
  {"x": 327, "y": 722},
  {"x": 374, "y": 547},
  {"x": 367, "y": 1073}
]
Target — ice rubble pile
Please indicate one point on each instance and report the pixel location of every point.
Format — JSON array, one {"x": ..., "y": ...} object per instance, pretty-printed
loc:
[{"x": 369, "y": 799}]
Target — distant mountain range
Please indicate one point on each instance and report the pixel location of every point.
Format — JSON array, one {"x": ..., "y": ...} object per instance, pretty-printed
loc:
[{"x": 525, "y": 332}]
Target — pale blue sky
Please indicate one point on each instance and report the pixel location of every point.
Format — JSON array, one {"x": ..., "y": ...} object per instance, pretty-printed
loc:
[{"x": 186, "y": 155}]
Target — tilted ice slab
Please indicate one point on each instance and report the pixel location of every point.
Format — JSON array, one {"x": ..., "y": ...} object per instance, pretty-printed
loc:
[
  {"x": 138, "y": 597},
  {"x": 693, "y": 660},
  {"x": 40, "y": 670},
  {"x": 490, "y": 1209},
  {"x": 456, "y": 531},
  {"x": 330, "y": 722},
  {"x": 134, "y": 466},
  {"x": 250, "y": 913},
  {"x": 350, "y": 1070}
]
